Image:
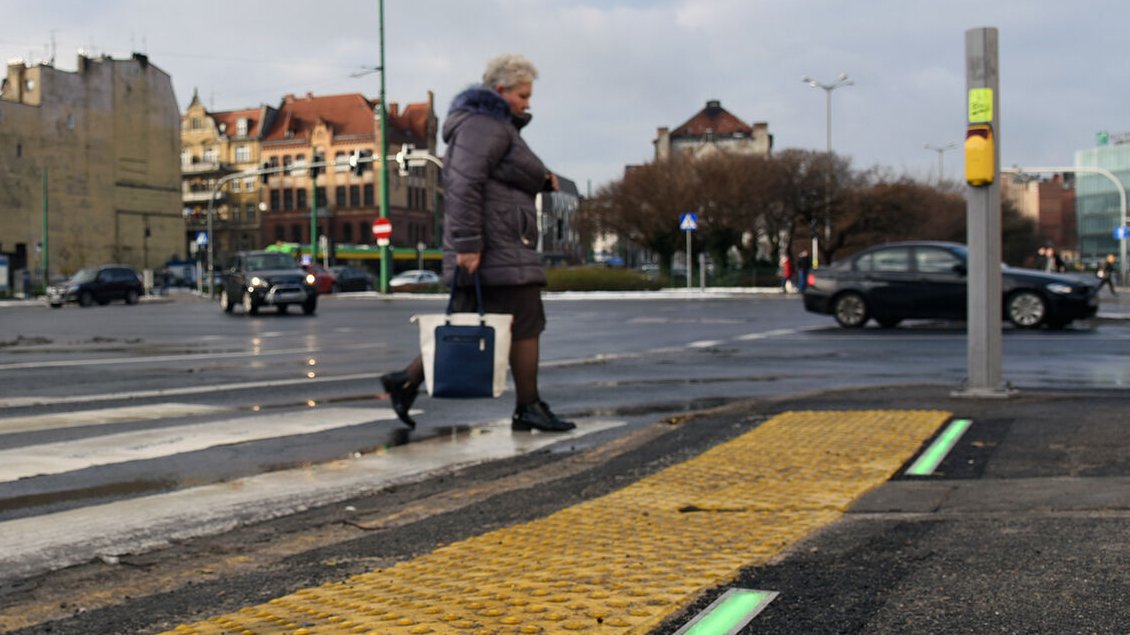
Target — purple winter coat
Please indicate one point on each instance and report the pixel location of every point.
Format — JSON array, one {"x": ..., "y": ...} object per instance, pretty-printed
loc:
[{"x": 490, "y": 179}]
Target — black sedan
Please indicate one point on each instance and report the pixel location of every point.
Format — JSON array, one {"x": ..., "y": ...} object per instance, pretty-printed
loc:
[
  {"x": 351, "y": 279},
  {"x": 98, "y": 284},
  {"x": 926, "y": 280}
]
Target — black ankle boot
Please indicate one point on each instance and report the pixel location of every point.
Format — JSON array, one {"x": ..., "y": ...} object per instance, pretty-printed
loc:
[
  {"x": 401, "y": 392},
  {"x": 537, "y": 416}
]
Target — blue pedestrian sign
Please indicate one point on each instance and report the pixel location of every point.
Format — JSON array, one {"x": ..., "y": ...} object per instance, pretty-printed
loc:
[
  {"x": 1121, "y": 233},
  {"x": 688, "y": 222},
  {"x": 201, "y": 238}
]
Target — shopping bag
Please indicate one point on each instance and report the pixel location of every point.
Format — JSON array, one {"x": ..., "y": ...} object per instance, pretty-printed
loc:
[{"x": 465, "y": 354}]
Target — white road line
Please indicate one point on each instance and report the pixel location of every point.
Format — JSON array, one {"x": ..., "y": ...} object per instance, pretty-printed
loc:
[
  {"x": 47, "y": 400},
  {"x": 52, "y": 541},
  {"x": 704, "y": 344},
  {"x": 64, "y": 363},
  {"x": 105, "y": 416},
  {"x": 67, "y": 456}
]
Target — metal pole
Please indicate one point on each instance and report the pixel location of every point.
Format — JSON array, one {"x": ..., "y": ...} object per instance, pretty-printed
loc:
[
  {"x": 45, "y": 260},
  {"x": 689, "y": 267},
  {"x": 983, "y": 218},
  {"x": 313, "y": 205},
  {"x": 386, "y": 251},
  {"x": 211, "y": 200}
]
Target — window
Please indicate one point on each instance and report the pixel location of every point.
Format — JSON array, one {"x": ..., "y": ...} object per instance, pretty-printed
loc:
[
  {"x": 299, "y": 165},
  {"x": 339, "y": 197},
  {"x": 211, "y": 155},
  {"x": 354, "y": 196},
  {"x": 288, "y": 200},
  {"x": 364, "y": 233},
  {"x": 341, "y": 162},
  {"x": 347, "y": 233},
  {"x": 241, "y": 126},
  {"x": 185, "y": 158},
  {"x": 890, "y": 260},
  {"x": 368, "y": 196},
  {"x": 249, "y": 184},
  {"x": 195, "y": 123},
  {"x": 273, "y": 162},
  {"x": 286, "y": 163},
  {"x": 296, "y": 233},
  {"x": 274, "y": 200},
  {"x": 235, "y": 185},
  {"x": 243, "y": 153},
  {"x": 320, "y": 197},
  {"x": 931, "y": 260},
  {"x": 301, "y": 201},
  {"x": 249, "y": 212}
]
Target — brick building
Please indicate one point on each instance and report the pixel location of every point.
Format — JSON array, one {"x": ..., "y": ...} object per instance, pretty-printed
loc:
[{"x": 92, "y": 156}]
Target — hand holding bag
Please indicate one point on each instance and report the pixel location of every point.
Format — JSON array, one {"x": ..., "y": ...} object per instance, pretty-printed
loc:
[{"x": 465, "y": 354}]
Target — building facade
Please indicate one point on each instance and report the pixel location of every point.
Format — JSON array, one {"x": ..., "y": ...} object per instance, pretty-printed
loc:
[
  {"x": 1097, "y": 201},
  {"x": 1050, "y": 203},
  {"x": 215, "y": 145},
  {"x": 713, "y": 129},
  {"x": 346, "y": 200},
  {"x": 88, "y": 166}
]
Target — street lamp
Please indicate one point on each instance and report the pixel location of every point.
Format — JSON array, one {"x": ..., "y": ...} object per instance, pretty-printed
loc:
[
  {"x": 842, "y": 80},
  {"x": 940, "y": 150}
]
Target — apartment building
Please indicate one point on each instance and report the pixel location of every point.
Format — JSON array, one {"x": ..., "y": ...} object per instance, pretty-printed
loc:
[
  {"x": 88, "y": 166},
  {"x": 713, "y": 129}
]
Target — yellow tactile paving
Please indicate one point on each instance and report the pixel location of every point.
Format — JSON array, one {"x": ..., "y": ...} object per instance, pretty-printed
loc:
[{"x": 624, "y": 562}]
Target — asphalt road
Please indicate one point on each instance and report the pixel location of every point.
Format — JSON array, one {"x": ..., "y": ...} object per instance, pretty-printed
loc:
[{"x": 617, "y": 366}]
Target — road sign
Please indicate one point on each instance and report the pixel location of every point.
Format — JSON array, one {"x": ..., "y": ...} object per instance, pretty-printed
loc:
[
  {"x": 201, "y": 238},
  {"x": 382, "y": 228},
  {"x": 688, "y": 222},
  {"x": 1121, "y": 233}
]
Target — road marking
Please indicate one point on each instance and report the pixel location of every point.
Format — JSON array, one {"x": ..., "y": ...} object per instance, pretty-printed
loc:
[
  {"x": 164, "y": 393},
  {"x": 939, "y": 449},
  {"x": 106, "y": 416},
  {"x": 64, "y": 363},
  {"x": 729, "y": 613},
  {"x": 704, "y": 344},
  {"x": 66, "y": 456},
  {"x": 749, "y": 337}
]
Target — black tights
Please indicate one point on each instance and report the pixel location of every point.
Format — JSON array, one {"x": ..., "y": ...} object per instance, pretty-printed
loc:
[{"x": 523, "y": 367}]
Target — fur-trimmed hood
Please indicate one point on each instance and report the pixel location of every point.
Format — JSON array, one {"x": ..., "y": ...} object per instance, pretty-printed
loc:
[{"x": 480, "y": 100}]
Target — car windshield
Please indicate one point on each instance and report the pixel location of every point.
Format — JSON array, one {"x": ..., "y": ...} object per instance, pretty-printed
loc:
[
  {"x": 85, "y": 275},
  {"x": 264, "y": 262}
]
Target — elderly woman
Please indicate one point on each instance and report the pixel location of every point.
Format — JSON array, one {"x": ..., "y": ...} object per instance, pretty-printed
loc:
[{"x": 490, "y": 227}]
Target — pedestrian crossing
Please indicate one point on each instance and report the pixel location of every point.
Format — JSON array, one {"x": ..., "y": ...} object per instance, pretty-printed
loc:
[{"x": 42, "y": 542}]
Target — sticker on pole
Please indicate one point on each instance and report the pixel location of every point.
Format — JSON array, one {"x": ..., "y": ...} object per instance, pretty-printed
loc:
[
  {"x": 688, "y": 222},
  {"x": 980, "y": 105}
]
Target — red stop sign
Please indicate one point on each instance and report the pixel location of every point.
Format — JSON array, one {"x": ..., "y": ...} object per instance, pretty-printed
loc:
[{"x": 382, "y": 228}]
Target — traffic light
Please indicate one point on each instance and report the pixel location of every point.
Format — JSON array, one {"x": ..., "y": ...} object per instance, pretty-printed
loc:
[
  {"x": 315, "y": 169},
  {"x": 265, "y": 178},
  {"x": 356, "y": 163}
]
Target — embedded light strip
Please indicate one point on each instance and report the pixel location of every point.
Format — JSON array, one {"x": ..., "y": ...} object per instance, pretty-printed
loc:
[
  {"x": 936, "y": 453},
  {"x": 729, "y": 613}
]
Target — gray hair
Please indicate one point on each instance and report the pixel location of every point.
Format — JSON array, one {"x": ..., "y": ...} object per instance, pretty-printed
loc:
[{"x": 508, "y": 70}]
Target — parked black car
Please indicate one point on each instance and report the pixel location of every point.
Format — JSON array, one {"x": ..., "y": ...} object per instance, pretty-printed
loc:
[
  {"x": 98, "y": 284},
  {"x": 926, "y": 279},
  {"x": 351, "y": 279},
  {"x": 266, "y": 278}
]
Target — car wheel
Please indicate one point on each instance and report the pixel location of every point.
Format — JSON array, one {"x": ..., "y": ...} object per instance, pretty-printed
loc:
[
  {"x": 309, "y": 306},
  {"x": 131, "y": 297},
  {"x": 86, "y": 299},
  {"x": 226, "y": 302},
  {"x": 1026, "y": 309},
  {"x": 888, "y": 323},
  {"x": 249, "y": 305},
  {"x": 850, "y": 310}
]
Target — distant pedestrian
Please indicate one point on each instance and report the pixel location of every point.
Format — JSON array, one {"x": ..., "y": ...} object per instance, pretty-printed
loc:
[
  {"x": 786, "y": 273},
  {"x": 803, "y": 266},
  {"x": 1052, "y": 262},
  {"x": 1106, "y": 273}
]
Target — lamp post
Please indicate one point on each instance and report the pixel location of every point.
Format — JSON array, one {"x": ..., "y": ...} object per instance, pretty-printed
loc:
[
  {"x": 842, "y": 80},
  {"x": 940, "y": 150}
]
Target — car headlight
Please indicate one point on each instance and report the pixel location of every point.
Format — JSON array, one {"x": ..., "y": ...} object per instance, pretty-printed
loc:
[
  {"x": 310, "y": 279},
  {"x": 256, "y": 281},
  {"x": 1060, "y": 288}
]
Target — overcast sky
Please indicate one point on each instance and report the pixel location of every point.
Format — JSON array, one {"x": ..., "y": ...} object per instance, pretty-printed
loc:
[{"x": 614, "y": 71}]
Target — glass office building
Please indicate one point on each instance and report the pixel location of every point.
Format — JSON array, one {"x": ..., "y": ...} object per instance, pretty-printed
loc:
[{"x": 1097, "y": 202}]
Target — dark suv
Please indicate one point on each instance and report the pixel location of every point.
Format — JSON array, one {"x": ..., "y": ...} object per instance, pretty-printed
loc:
[
  {"x": 272, "y": 278},
  {"x": 97, "y": 284}
]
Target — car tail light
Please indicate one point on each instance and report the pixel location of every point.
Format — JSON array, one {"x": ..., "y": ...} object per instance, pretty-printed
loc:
[{"x": 810, "y": 280}]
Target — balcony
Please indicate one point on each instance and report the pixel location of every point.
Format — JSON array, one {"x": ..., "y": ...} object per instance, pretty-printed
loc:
[{"x": 201, "y": 196}]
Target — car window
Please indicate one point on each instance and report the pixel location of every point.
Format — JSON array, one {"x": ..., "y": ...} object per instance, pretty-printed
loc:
[
  {"x": 264, "y": 262},
  {"x": 84, "y": 275},
  {"x": 934, "y": 260},
  {"x": 894, "y": 259}
]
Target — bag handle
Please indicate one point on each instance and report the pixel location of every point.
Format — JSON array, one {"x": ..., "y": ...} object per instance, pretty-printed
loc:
[{"x": 478, "y": 295}]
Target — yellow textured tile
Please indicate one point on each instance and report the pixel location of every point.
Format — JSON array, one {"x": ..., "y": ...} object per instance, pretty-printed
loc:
[{"x": 626, "y": 561}]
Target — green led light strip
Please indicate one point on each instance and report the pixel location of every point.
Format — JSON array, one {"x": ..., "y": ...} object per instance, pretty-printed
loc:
[
  {"x": 729, "y": 613},
  {"x": 933, "y": 456}
]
